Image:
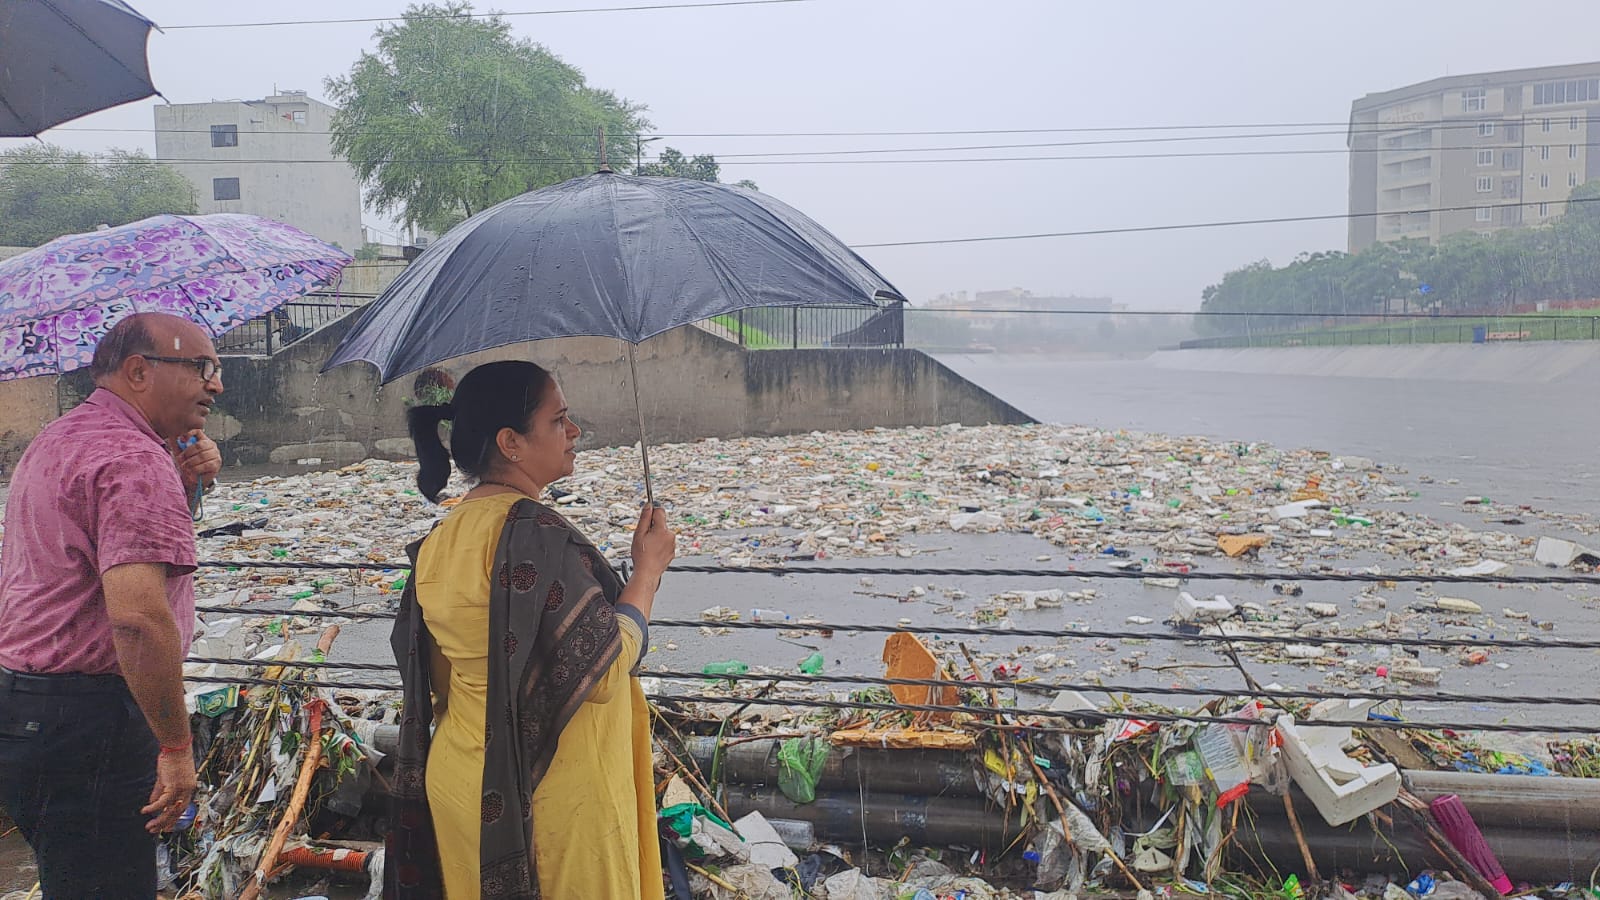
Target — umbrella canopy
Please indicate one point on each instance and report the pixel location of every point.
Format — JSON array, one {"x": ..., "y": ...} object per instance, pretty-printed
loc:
[
  {"x": 219, "y": 271},
  {"x": 68, "y": 58},
  {"x": 607, "y": 255}
]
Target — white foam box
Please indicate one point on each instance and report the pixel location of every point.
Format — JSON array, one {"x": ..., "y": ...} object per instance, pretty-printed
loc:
[
  {"x": 1209, "y": 609},
  {"x": 1341, "y": 789}
]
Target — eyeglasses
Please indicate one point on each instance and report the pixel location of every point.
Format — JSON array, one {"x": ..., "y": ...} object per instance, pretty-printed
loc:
[{"x": 208, "y": 368}]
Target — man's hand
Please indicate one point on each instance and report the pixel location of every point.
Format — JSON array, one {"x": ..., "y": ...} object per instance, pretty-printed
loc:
[
  {"x": 175, "y": 783},
  {"x": 198, "y": 459}
]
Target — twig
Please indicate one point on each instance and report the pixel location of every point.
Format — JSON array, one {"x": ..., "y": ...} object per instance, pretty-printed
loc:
[
  {"x": 717, "y": 880},
  {"x": 1300, "y": 836},
  {"x": 779, "y": 736}
]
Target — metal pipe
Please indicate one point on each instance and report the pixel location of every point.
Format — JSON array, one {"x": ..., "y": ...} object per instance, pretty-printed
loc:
[
  {"x": 922, "y": 772},
  {"x": 884, "y": 818},
  {"x": 1521, "y": 801},
  {"x": 1525, "y": 853}
]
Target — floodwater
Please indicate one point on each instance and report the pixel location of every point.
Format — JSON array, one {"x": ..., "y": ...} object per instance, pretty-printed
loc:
[{"x": 1532, "y": 442}]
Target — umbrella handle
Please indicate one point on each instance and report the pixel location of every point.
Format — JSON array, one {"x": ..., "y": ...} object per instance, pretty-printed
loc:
[{"x": 644, "y": 444}]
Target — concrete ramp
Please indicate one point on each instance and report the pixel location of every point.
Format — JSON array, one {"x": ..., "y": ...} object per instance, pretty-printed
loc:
[{"x": 1546, "y": 362}]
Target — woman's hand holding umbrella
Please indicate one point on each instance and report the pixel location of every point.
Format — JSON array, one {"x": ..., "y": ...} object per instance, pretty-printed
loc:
[{"x": 654, "y": 546}]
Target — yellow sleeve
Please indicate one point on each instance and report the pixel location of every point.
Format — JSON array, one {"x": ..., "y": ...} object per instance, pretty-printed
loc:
[{"x": 616, "y": 677}]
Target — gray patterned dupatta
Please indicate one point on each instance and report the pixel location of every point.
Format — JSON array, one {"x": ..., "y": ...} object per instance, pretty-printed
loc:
[{"x": 552, "y": 634}]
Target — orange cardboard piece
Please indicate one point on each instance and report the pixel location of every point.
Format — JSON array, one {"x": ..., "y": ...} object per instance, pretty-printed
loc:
[
  {"x": 904, "y": 739},
  {"x": 1237, "y": 545},
  {"x": 907, "y": 657}
]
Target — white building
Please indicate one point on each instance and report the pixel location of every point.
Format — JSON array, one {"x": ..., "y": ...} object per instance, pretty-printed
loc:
[{"x": 269, "y": 157}]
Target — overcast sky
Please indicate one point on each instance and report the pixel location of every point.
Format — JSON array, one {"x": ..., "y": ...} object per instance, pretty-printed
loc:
[{"x": 947, "y": 65}]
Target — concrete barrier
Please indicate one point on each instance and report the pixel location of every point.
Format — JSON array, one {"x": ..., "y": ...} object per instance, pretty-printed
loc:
[{"x": 694, "y": 385}]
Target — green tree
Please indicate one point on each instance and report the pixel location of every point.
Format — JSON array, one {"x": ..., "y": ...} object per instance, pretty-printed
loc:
[
  {"x": 47, "y": 191},
  {"x": 451, "y": 114},
  {"x": 672, "y": 163}
]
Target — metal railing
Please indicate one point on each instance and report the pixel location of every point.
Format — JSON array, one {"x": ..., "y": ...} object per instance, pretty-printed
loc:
[
  {"x": 291, "y": 322},
  {"x": 822, "y": 325},
  {"x": 1417, "y": 331}
]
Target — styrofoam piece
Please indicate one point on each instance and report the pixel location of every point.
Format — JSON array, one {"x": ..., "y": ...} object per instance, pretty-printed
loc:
[
  {"x": 1484, "y": 567},
  {"x": 1295, "y": 510},
  {"x": 975, "y": 520},
  {"x": 1210, "y": 609},
  {"x": 766, "y": 845},
  {"x": 1072, "y": 701},
  {"x": 1559, "y": 553},
  {"x": 1341, "y": 788},
  {"x": 1457, "y": 604}
]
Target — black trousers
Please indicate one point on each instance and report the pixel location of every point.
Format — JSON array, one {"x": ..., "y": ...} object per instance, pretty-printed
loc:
[{"x": 77, "y": 762}]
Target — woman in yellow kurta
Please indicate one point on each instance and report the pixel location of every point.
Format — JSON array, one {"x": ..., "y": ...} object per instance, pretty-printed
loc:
[{"x": 511, "y": 609}]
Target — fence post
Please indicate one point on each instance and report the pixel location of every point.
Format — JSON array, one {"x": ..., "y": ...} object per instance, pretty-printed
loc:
[
  {"x": 796, "y": 334},
  {"x": 741, "y": 326},
  {"x": 266, "y": 321}
]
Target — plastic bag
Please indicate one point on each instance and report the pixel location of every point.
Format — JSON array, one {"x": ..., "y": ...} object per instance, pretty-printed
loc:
[{"x": 800, "y": 762}]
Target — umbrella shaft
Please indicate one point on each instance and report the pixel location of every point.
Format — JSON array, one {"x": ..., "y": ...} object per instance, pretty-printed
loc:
[{"x": 644, "y": 444}]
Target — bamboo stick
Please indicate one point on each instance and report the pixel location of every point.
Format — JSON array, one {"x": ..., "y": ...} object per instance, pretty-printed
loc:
[
  {"x": 297, "y": 802},
  {"x": 1300, "y": 836}
]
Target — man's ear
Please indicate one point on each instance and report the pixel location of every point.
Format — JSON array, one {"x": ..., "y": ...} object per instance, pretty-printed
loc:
[{"x": 135, "y": 372}]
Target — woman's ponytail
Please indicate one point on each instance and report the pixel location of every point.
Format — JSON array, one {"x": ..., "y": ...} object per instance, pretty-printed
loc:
[{"x": 433, "y": 460}]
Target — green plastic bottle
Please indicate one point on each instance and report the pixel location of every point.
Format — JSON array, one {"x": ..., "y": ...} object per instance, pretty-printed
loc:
[
  {"x": 812, "y": 665},
  {"x": 731, "y": 667}
]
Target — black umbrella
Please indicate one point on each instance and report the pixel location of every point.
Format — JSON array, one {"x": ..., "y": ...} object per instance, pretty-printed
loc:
[
  {"x": 611, "y": 256},
  {"x": 61, "y": 59}
]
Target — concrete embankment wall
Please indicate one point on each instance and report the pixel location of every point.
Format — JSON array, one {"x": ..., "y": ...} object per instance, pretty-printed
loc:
[
  {"x": 692, "y": 385},
  {"x": 1524, "y": 363}
]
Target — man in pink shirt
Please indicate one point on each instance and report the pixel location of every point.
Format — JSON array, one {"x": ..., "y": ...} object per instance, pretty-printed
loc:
[{"x": 97, "y": 610}]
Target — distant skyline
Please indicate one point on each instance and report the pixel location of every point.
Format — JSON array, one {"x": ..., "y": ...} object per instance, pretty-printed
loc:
[{"x": 956, "y": 65}]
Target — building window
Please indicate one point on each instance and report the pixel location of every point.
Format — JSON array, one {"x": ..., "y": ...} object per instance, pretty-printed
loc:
[
  {"x": 224, "y": 188},
  {"x": 1572, "y": 179},
  {"x": 1474, "y": 100},
  {"x": 1572, "y": 151},
  {"x": 1581, "y": 90},
  {"x": 1544, "y": 151},
  {"x": 1544, "y": 210},
  {"x": 1544, "y": 181},
  {"x": 1485, "y": 157},
  {"x": 1485, "y": 184},
  {"x": 1485, "y": 214},
  {"x": 224, "y": 135},
  {"x": 1572, "y": 124},
  {"x": 1544, "y": 126},
  {"x": 1485, "y": 129},
  {"x": 298, "y": 117},
  {"x": 1508, "y": 160}
]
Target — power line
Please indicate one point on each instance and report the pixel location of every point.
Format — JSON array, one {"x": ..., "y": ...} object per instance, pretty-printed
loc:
[
  {"x": 1342, "y": 128},
  {"x": 1138, "y": 229},
  {"x": 749, "y": 159},
  {"x": 485, "y": 15}
]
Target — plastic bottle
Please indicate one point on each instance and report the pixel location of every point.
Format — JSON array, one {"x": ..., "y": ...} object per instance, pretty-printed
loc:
[
  {"x": 812, "y": 665},
  {"x": 731, "y": 667},
  {"x": 770, "y": 615}
]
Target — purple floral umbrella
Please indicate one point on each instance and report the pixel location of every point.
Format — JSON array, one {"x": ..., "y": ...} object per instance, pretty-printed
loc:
[{"x": 218, "y": 271}]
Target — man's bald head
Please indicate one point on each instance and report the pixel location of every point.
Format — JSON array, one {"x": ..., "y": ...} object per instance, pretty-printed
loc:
[{"x": 143, "y": 334}]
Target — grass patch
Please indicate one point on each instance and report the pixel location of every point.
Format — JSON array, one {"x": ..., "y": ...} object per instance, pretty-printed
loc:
[{"x": 753, "y": 337}]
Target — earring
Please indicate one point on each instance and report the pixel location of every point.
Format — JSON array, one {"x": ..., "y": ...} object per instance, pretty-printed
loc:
[{"x": 516, "y": 459}]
